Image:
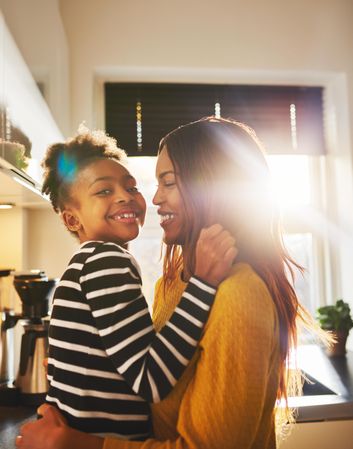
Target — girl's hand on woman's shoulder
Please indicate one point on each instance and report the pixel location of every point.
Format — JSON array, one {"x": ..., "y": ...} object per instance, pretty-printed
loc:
[{"x": 215, "y": 254}]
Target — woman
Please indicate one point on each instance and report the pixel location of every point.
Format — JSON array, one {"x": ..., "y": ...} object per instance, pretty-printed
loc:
[{"x": 213, "y": 170}]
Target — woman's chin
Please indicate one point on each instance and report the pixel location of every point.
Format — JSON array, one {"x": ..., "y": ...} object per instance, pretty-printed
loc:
[{"x": 170, "y": 239}]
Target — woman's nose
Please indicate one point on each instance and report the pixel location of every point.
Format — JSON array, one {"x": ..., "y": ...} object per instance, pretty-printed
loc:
[{"x": 156, "y": 200}]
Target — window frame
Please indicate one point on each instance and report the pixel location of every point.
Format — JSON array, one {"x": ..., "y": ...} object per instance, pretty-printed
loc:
[{"x": 339, "y": 158}]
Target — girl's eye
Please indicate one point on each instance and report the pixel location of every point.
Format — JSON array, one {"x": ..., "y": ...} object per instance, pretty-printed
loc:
[
  {"x": 169, "y": 184},
  {"x": 103, "y": 192},
  {"x": 132, "y": 189}
]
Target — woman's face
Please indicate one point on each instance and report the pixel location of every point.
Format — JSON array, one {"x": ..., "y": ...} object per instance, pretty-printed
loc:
[{"x": 169, "y": 200}]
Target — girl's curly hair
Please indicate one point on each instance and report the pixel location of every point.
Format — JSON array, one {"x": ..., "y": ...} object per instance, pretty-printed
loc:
[{"x": 64, "y": 160}]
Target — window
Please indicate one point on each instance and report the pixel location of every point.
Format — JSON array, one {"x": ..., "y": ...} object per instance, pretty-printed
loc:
[
  {"x": 296, "y": 179},
  {"x": 288, "y": 119}
]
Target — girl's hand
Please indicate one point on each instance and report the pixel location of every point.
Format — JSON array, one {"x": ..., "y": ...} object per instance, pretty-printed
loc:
[{"x": 215, "y": 254}]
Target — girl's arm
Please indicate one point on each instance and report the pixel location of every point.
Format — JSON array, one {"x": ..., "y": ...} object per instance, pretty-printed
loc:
[{"x": 150, "y": 363}]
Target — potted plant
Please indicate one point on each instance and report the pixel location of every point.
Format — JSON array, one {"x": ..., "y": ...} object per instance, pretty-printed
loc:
[{"x": 336, "y": 319}]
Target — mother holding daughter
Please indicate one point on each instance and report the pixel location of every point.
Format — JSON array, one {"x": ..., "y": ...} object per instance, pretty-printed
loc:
[{"x": 214, "y": 171}]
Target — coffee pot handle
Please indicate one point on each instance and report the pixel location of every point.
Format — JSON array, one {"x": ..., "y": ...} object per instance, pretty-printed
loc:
[
  {"x": 9, "y": 321},
  {"x": 27, "y": 350}
]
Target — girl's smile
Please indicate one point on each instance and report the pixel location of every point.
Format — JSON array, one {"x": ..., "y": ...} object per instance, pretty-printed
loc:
[{"x": 126, "y": 216}]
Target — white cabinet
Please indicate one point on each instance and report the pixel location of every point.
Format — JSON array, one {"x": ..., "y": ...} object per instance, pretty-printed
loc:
[
  {"x": 26, "y": 123},
  {"x": 320, "y": 435},
  {"x": 16, "y": 189}
]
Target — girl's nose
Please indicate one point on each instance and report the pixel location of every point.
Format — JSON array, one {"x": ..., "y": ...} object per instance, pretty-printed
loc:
[{"x": 123, "y": 196}]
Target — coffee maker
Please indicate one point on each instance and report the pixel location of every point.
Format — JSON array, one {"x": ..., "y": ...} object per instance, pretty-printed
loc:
[
  {"x": 10, "y": 335},
  {"x": 35, "y": 292}
]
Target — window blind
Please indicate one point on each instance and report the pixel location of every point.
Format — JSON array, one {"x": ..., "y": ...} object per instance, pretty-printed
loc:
[{"x": 287, "y": 119}]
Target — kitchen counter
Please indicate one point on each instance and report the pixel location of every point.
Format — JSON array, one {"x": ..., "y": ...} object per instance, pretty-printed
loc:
[
  {"x": 330, "y": 397},
  {"x": 11, "y": 419}
]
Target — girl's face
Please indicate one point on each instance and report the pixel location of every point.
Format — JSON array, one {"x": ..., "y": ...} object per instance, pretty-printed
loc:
[
  {"x": 169, "y": 200},
  {"x": 105, "y": 203}
]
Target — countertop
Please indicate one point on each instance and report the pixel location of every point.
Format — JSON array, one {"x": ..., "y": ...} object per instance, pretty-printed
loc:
[
  {"x": 335, "y": 374},
  {"x": 11, "y": 419}
]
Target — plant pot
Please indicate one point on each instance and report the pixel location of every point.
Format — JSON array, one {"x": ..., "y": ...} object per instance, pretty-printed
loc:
[{"x": 338, "y": 348}]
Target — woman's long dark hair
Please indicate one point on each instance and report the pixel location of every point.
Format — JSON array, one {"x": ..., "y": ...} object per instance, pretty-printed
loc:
[{"x": 223, "y": 178}]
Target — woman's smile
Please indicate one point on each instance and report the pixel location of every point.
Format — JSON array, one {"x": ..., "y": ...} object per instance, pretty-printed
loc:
[{"x": 166, "y": 218}]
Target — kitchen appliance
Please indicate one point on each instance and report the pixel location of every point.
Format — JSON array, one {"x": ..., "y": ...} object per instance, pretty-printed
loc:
[
  {"x": 10, "y": 336},
  {"x": 35, "y": 292},
  {"x": 8, "y": 347}
]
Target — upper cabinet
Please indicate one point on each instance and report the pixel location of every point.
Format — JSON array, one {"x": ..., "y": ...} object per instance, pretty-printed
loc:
[
  {"x": 19, "y": 190},
  {"x": 26, "y": 125}
]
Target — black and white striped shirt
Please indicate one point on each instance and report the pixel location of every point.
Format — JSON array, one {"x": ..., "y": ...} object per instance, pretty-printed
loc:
[{"x": 105, "y": 359}]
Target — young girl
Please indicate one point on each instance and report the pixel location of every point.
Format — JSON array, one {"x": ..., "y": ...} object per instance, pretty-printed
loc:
[{"x": 104, "y": 356}]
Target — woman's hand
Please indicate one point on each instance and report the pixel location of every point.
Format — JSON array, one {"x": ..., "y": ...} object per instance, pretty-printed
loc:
[
  {"x": 215, "y": 254},
  {"x": 52, "y": 431},
  {"x": 44, "y": 432}
]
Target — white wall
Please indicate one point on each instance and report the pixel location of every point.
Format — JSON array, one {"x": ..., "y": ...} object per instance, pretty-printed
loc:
[
  {"x": 228, "y": 34},
  {"x": 34, "y": 239},
  {"x": 50, "y": 245},
  {"x": 13, "y": 237}
]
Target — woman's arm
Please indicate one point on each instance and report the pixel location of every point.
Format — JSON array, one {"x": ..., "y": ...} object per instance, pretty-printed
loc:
[
  {"x": 230, "y": 399},
  {"x": 52, "y": 431}
]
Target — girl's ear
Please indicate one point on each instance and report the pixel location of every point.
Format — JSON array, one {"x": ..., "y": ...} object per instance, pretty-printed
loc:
[{"x": 71, "y": 221}]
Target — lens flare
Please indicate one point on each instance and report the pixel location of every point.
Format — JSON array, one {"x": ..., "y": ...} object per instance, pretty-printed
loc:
[{"x": 67, "y": 167}]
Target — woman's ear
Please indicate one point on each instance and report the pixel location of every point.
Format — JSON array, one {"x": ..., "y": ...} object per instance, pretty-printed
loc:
[{"x": 71, "y": 221}]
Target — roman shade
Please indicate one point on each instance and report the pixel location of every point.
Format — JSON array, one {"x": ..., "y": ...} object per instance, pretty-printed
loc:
[{"x": 287, "y": 119}]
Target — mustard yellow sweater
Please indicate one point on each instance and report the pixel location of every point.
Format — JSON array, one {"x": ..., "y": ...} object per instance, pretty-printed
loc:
[{"x": 225, "y": 398}]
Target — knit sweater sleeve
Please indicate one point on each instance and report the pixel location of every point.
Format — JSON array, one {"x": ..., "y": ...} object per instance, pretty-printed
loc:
[
  {"x": 232, "y": 394},
  {"x": 151, "y": 363}
]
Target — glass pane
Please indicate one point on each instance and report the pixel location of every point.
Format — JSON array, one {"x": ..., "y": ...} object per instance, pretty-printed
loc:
[
  {"x": 300, "y": 247},
  {"x": 291, "y": 180},
  {"x": 147, "y": 247}
]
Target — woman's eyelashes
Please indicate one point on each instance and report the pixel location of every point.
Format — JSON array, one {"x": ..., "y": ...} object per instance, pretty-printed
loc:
[{"x": 166, "y": 184}]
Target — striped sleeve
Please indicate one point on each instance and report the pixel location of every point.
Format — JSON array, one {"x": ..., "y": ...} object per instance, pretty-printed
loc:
[{"x": 150, "y": 363}]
